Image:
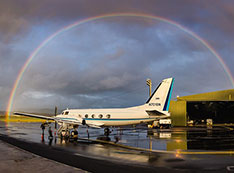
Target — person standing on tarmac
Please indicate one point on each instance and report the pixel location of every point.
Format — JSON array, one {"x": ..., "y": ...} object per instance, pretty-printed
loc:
[
  {"x": 50, "y": 133},
  {"x": 43, "y": 131},
  {"x": 50, "y": 137}
]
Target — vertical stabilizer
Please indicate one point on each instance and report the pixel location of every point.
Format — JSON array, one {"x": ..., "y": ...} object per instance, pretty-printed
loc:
[{"x": 161, "y": 97}]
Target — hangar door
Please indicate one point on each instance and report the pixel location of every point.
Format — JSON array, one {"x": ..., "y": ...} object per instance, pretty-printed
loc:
[{"x": 218, "y": 111}]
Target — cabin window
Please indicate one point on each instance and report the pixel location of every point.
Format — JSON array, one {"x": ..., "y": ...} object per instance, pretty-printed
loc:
[
  {"x": 108, "y": 116},
  {"x": 66, "y": 113},
  {"x": 93, "y": 115},
  {"x": 86, "y": 115},
  {"x": 100, "y": 116}
]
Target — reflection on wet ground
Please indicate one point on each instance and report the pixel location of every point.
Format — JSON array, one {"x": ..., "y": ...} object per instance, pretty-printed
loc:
[
  {"x": 175, "y": 139},
  {"x": 218, "y": 138}
]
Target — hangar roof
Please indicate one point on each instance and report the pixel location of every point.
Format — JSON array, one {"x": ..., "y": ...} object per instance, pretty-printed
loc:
[{"x": 225, "y": 95}]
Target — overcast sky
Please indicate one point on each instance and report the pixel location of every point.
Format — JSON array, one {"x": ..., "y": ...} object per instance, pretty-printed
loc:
[{"x": 105, "y": 63}]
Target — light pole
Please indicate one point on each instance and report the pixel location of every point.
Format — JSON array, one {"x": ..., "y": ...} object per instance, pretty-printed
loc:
[{"x": 149, "y": 83}]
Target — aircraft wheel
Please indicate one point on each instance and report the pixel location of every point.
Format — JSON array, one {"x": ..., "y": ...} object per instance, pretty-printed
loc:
[{"x": 106, "y": 131}]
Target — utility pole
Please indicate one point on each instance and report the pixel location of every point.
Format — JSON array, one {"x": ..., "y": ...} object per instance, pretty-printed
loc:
[
  {"x": 55, "y": 113},
  {"x": 149, "y": 83}
]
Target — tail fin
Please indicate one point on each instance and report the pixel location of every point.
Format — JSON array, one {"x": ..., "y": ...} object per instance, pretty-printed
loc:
[{"x": 161, "y": 97}]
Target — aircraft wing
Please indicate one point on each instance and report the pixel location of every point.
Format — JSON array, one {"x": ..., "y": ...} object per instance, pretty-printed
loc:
[{"x": 34, "y": 116}]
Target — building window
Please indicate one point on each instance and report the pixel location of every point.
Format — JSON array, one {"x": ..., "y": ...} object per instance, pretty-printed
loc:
[
  {"x": 100, "y": 116},
  {"x": 108, "y": 116}
]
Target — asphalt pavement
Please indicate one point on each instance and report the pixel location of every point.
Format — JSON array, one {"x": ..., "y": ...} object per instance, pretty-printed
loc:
[{"x": 131, "y": 149}]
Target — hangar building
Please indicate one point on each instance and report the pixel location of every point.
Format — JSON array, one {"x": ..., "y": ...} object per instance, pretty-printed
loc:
[{"x": 218, "y": 106}]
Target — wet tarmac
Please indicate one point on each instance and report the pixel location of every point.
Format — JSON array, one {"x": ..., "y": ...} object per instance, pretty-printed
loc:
[
  {"x": 177, "y": 149},
  {"x": 13, "y": 160}
]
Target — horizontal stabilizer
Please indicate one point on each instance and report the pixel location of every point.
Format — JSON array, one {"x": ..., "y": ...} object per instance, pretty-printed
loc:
[{"x": 34, "y": 116}]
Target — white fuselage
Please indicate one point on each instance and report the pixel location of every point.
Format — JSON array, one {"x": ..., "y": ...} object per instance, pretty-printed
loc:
[{"x": 108, "y": 117}]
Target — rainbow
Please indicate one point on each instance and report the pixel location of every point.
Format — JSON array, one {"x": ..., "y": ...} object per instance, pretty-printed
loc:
[{"x": 79, "y": 22}]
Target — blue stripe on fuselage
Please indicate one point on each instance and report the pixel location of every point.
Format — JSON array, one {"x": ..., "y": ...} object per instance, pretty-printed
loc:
[
  {"x": 117, "y": 119},
  {"x": 106, "y": 119}
]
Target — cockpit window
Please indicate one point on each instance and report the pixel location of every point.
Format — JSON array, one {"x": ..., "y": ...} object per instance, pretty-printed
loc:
[
  {"x": 62, "y": 113},
  {"x": 86, "y": 115},
  {"x": 66, "y": 113}
]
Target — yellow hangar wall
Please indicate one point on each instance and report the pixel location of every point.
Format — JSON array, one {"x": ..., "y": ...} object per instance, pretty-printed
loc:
[{"x": 178, "y": 108}]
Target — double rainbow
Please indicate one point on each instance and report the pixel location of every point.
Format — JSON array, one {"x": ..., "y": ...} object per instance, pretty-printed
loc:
[{"x": 80, "y": 22}]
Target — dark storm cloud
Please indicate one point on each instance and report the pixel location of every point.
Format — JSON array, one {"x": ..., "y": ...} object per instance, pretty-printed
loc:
[
  {"x": 152, "y": 49},
  {"x": 15, "y": 15},
  {"x": 203, "y": 17},
  {"x": 118, "y": 67}
]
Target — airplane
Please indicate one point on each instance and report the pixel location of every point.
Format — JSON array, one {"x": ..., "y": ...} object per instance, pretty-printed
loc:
[{"x": 154, "y": 109}]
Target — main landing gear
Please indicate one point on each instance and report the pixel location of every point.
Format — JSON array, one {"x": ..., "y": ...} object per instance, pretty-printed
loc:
[
  {"x": 105, "y": 137},
  {"x": 107, "y": 131}
]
